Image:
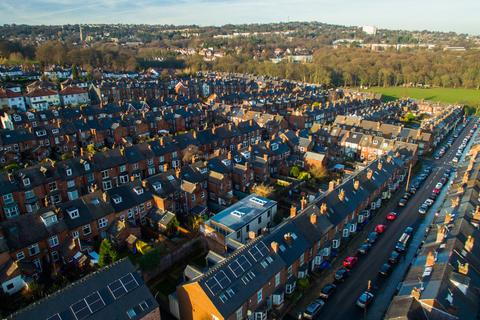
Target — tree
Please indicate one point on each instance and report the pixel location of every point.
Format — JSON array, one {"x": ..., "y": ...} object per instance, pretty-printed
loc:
[
  {"x": 150, "y": 260},
  {"x": 263, "y": 190},
  {"x": 74, "y": 72},
  {"x": 294, "y": 171},
  {"x": 107, "y": 253},
  {"x": 194, "y": 222},
  {"x": 319, "y": 172}
]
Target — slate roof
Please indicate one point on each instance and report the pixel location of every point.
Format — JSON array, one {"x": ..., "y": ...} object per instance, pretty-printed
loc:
[{"x": 62, "y": 301}]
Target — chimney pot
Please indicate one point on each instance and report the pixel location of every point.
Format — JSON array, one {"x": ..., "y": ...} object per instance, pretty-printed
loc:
[
  {"x": 313, "y": 218},
  {"x": 274, "y": 246},
  {"x": 293, "y": 211},
  {"x": 252, "y": 235}
]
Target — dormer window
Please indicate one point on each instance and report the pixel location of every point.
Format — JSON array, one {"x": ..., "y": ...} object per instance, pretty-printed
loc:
[
  {"x": 69, "y": 172},
  {"x": 86, "y": 166},
  {"x": 73, "y": 213},
  {"x": 41, "y": 133},
  {"x": 55, "y": 131},
  {"x": 226, "y": 162},
  {"x": 117, "y": 199},
  {"x": 138, "y": 190},
  {"x": 26, "y": 182},
  {"x": 157, "y": 186},
  {"x": 16, "y": 117},
  {"x": 30, "y": 116},
  {"x": 274, "y": 146}
]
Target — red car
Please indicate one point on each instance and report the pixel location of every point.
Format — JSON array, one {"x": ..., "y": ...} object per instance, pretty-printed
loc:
[
  {"x": 436, "y": 191},
  {"x": 380, "y": 228},
  {"x": 349, "y": 262},
  {"x": 391, "y": 216}
]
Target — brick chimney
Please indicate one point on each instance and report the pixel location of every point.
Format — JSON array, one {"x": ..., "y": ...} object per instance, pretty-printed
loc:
[
  {"x": 440, "y": 234},
  {"x": 288, "y": 238},
  {"x": 323, "y": 208},
  {"x": 430, "y": 261},
  {"x": 469, "y": 243},
  {"x": 463, "y": 268},
  {"x": 476, "y": 214},
  {"x": 194, "y": 133},
  {"x": 161, "y": 141},
  {"x": 331, "y": 185},
  {"x": 265, "y": 157},
  {"x": 356, "y": 184},
  {"x": 178, "y": 172},
  {"x": 341, "y": 195},
  {"x": 267, "y": 144},
  {"x": 293, "y": 211},
  {"x": 455, "y": 201},
  {"x": 252, "y": 235},
  {"x": 379, "y": 165},
  {"x": 229, "y": 155},
  {"x": 274, "y": 246},
  {"x": 369, "y": 174},
  {"x": 313, "y": 218},
  {"x": 415, "y": 293},
  {"x": 448, "y": 218},
  {"x": 303, "y": 203}
]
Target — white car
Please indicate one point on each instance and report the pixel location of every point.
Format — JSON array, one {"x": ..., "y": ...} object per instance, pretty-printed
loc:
[
  {"x": 429, "y": 202},
  {"x": 455, "y": 160},
  {"x": 439, "y": 185}
]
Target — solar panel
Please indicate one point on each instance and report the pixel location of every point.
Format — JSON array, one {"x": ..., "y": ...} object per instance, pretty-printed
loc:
[
  {"x": 129, "y": 282},
  {"x": 80, "y": 309},
  {"x": 239, "y": 265},
  {"x": 263, "y": 248},
  {"x": 95, "y": 302},
  {"x": 213, "y": 285},
  {"x": 222, "y": 279},
  {"x": 55, "y": 317},
  {"x": 117, "y": 289},
  {"x": 243, "y": 261}
]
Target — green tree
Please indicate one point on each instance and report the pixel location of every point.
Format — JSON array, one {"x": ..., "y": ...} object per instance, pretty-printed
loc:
[
  {"x": 294, "y": 171},
  {"x": 107, "y": 253}
]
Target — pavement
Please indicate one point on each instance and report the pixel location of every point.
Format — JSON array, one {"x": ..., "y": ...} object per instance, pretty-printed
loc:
[{"x": 342, "y": 304}]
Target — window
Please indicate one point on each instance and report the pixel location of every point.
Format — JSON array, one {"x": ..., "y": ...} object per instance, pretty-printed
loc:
[
  {"x": 123, "y": 168},
  {"x": 290, "y": 271},
  {"x": 102, "y": 222},
  {"x": 55, "y": 257},
  {"x": 302, "y": 259},
  {"x": 162, "y": 159},
  {"x": 259, "y": 296},
  {"x": 75, "y": 234},
  {"x": 124, "y": 179},
  {"x": 277, "y": 279},
  {"x": 70, "y": 183},
  {"x": 53, "y": 241},
  {"x": 259, "y": 220},
  {"x": 135, "y": 166},
  {"x": 107, "y": 185},
  {"x": 20, "y": 255},
  {"x": 151, "y": 171},
  {"x": 193, "y": 197},
  {"x": 8, "y": 198},
  {"x": 174, "y": 154},
  {"x": 26, "y": 182},
  {"x": 131, "y": 313},
  {"x": 11, "y": 212},
  {"x": 69, "y": 172},
  {"x": 239, "y": 313},
  {"x": 86, "y": 166},
  {"x": 52, "y": 186},
  {"x": 56, "y": 198},
  {"x": 33, "y": 249},
  {"x": 105, "y": 174},
  {"x": 86, "y": 229},
  {"x": 150, "y": 162}
]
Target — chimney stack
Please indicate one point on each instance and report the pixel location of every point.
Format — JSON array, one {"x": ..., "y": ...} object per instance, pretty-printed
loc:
[
  {"x": 251, "y": 235},
  {"x": 313, "y": 218},
  {"x": 440, "y": 234},
  {"x": 331, "y": 186},
  {"x": 448, "y": 218},
  {"x": 356, "y": 184},
  {"x": 293, "y": 211},
  {"x": 303, "y": 203},
  {"x": 178, "y": 172},
  {"x": 379, "y": 165},
  {"x": 416, "y": 293},
  {"x": 369, "y": 174},
  {"x": 288, "y": 238},
  {"x": 274, "y": 246},
  {"x": 430, "y": 262},
  {"x": 476, "y": 214},
  {"x": 469, "y": 243},
  {"x": 463, "y": 268},
  {"x": 323, "y": 208}
]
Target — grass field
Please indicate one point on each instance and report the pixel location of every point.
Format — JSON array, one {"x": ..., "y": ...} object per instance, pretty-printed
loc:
[{"x": 470, "y": 97}]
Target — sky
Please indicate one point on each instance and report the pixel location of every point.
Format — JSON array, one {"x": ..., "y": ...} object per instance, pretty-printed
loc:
[{"x": 438, "y": 15}]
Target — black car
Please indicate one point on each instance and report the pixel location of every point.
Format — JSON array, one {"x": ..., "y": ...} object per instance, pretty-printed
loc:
[
  {"x": 364, "y": 248},
  {"x": 408, "y": 230},
  {"x": 400, "y": 247},
  {"x": 372, "y": 237},
  {"x": 341, "y": 274},
  {"x": 385, "y": 269},
  {"x": 406, "y": 196},
  {"x": 412, "y": 190},
  {"x": 394, "y": 256},
  {"x": 403, "y": 202},
  {"x": 327, "y": 291}
]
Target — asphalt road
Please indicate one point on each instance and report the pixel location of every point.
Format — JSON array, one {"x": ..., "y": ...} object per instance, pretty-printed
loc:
[{"x": 342, "y": 304}]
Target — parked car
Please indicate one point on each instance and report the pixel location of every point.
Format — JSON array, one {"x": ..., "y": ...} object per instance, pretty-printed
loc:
[
  {"x": 341, "y": 274},
  {"x": 350, "y": 262},
  {"x": 423, "y": 209},
  {"x": 372, "y": 237},
  {"x": 391, "y": 216},
  {"x": 380, "y": 228},
  {"x": 327, "y": 291},
  {"x": 408, "y": 230},
  {"x": 400, "y": 247},
  {"x": 385, "y": 269},
  {"x": 406, "y": 196},
  {"x": 365, "y": 299},
  {"x": 364, "y": 248},
  {"x": 402, "y": 202},
  {"x": 313, "y": 309},
  {"x": 393, "y": 257},
  {"x": 429, "y": 202}
]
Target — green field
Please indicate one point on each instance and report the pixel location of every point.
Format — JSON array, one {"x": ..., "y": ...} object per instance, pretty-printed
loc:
[{"x": 470, "y": 97}]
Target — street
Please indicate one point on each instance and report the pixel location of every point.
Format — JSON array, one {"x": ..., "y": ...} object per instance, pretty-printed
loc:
[{"x": 342, "y": 304}]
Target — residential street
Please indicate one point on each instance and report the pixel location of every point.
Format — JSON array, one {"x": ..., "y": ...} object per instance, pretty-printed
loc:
[{"x": 342, "y": 304}]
